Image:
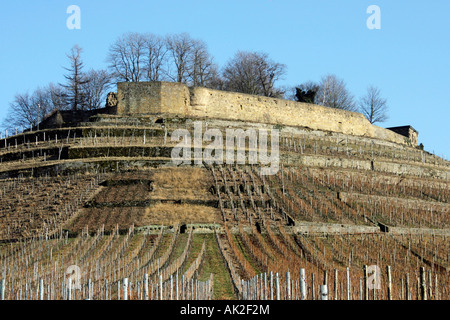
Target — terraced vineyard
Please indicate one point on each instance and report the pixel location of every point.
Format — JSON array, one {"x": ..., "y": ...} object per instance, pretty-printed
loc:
[{"x": 99, "y": 212}]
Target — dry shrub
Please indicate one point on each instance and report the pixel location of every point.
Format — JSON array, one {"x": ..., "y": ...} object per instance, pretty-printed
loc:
[
  {"x": 197, "y": 178},
  {"x": 182, "y": 183},
  {"x": 168, "y": 213}
]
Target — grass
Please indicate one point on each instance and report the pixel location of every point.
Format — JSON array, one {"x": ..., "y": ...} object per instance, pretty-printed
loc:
[
  {"x": 213, "y": 263},
  {"x": 180, "y": 245},
  {"x": 250, "y": 259}
]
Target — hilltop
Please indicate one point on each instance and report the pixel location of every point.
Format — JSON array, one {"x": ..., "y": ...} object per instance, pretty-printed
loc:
[{"x": 345, "y": 193}]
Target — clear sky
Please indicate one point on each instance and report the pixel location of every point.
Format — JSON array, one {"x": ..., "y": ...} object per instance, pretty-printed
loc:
[{"x": 408, "y": 58}]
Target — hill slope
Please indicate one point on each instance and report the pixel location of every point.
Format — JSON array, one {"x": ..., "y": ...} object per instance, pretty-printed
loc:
[{"x": 97, "y": 194}]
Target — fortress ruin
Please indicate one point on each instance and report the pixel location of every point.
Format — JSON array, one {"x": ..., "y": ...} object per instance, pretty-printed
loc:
[{"x": 177, "y": 99}]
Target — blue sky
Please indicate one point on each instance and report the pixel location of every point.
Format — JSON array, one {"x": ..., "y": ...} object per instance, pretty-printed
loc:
[{"x": 408, "y": 58}]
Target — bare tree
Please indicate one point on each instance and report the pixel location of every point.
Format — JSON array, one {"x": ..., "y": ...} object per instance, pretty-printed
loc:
[
  {"x": 95, "y": 89},
  {"x": 240, "y": 74},
  {"x": 191, "y": 62},
  {"x": 58, "y": 96},
  {"x": 373, "y": 106},
  {"x": 216, "y": 81},
  {"x": 135, "y": 57},
  {"x": 28, "y": 110},
  {"x": 75, "y": 80},
  {"x": 334, "y": 94},
  {"x": 268, "y": 73},
  {"x": 154, "y": 57},
  {"x": 22, "y": 112},
  {"x": 180, "y": 50},
  {"x": 126, "y": 57},
  {"x": 148, "y": 57},
  {"x": 253, "y": 73},
  {"x": 202, "y": 70}
]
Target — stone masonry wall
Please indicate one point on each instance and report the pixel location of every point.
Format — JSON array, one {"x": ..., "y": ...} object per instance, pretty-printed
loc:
[
  {"x": 237, "y": 106},
  {"x": 152, "y": 98},
  {"x": 177, "y": 99}
]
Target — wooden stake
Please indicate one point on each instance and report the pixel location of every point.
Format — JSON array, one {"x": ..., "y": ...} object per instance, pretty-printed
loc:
[
  {"x": 408, "y": 297},
  {"x": 430, "y": 285},
  {"x": 313, "y": 296},
  {"x": 348, "y": 284},
  {"x": 271, "y": 285},
  {"x": 90, "y": 290},
  {"x": 388, "y": 270},
  {"x": 125, "y": 288},
  {"x": 335, "y": 284},
  {"x": 366, "y": 287},
  {"x": 41, "y": 289},
  {"x": 69, "y": 289},
  {"x": 423, "y": 284},
  {"x": 277, "y": 285},
  {"x": 146, "y": 286},
  {"x": 302, "y": 284},
  {"x": 2, "y": 289},
  {"x": 288, "y": 285},
  {"x": 323, "y": 292},
  {"x": 160, "y": 288}
]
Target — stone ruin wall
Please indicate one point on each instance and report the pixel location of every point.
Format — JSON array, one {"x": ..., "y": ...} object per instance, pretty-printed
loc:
[
  {"x": 179, "y": 100},
  {"x": 152, "y": 98}
]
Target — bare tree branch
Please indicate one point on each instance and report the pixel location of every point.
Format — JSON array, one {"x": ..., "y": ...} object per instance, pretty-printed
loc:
[
  {"x": 126, "y": 57},
  {"x": 334, "y": 94},
  {"x": 202, "y": 70},
  {"x": 180, "y": 49},
  {"x": 75, "y": 79},
  {"x": 28, "y": 110},
  {"x": 155, "y": 57},
  {"x": 96, "y": 88},
  {"x": 373, "y": 106},
  {"x": 253, "y": 73}
]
